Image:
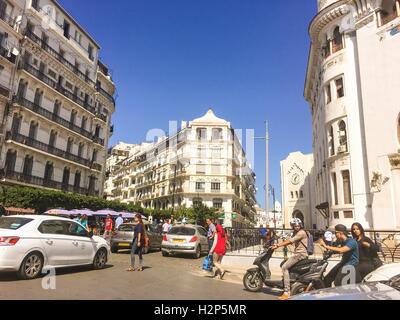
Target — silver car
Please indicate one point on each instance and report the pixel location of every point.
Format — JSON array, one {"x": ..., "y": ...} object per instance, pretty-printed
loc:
[
  {"x": 123, "y": 237},
  {"x": 186, "y": 239}
]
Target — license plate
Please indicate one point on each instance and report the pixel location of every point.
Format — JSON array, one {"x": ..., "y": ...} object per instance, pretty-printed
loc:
[
  {"x": 178, "y": 240},
  {"x": 124, "y": 244}
]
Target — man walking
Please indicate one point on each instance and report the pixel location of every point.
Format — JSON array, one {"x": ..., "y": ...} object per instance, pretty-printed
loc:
[{"x": 119, "y": 221}]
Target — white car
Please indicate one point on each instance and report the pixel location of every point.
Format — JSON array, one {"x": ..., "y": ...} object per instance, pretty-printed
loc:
[{"x": 32, "y": 243}]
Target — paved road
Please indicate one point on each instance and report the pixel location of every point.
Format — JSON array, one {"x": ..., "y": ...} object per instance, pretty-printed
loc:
[{"x": 172, "y": 278}]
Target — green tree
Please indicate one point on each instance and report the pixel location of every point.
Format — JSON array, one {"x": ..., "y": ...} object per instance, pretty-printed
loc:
[{"x": 200, "y": 212}]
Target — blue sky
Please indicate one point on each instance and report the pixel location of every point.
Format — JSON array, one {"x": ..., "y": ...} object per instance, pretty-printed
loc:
[{"x": 173, "y": 59}]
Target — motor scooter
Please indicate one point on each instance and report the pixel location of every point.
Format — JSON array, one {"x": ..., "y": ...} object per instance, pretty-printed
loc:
[{"x": 307, "y": 274}]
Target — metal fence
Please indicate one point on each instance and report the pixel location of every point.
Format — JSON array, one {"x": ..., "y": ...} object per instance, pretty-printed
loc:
[{"x": 249, "y": 242}]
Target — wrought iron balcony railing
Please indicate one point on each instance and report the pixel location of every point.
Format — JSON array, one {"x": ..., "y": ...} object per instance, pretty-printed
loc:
[
  {"x": 53, "y": 117},
  {"x": 20, "y": 138},
  {"x": 47, "y": 183},
  {"x": 31, "y": 35},
  {"x": 53, "y": 84}
]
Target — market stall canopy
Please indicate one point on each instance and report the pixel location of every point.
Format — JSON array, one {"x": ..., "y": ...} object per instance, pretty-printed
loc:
[
  {"x": 12, "y": 210},
  {"x": 59, "y": 212},
  {"x": 82, "y": 212},
  {"x": 106, "y": 212}
]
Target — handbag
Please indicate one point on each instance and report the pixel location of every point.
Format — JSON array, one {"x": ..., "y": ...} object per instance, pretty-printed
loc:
[{"x": 207, "y": 263}]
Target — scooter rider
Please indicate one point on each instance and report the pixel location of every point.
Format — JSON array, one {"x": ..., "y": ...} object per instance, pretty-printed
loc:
[{"x": 300, "y": 241}]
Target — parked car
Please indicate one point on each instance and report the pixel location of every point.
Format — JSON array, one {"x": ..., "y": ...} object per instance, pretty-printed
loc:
[
  {"x": 29, "y": 244},
  {"x": 381, "y": 284},
  {"x": 123, "y": 237},
  {"x": 187, "y": 239}
]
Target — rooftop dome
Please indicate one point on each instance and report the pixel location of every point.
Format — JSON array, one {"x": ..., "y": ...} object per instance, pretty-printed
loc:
[{"x": 210, "y": 118}]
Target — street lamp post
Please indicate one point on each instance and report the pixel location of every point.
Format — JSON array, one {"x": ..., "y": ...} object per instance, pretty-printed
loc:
[{"x": 266, "y": 138}]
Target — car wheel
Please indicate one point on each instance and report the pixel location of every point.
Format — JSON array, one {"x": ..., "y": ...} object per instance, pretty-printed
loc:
[
  {"x": 31, "y": 267},
  {"x": 114, "y": 249},
  {"x": 197, "y": 255},
  {"x": 165, "y": 254},
  {"x": 100, "y": 259}
]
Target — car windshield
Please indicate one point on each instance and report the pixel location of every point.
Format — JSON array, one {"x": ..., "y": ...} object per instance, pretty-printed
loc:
[
  {"x": 13, "y": 223},
  {"x": 126, "y": 227},
  {"x": 182, "y": 231}
]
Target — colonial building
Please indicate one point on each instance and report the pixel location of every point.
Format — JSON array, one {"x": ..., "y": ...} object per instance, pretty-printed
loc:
[
  {"x": 298, "y": 196},
  {"x": 352, "y": 85},
  {"x": 56, "y": 100},
  {"x": 203, "y": 162}
]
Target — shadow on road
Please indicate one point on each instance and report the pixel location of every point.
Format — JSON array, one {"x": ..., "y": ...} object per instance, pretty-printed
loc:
[{"x": 12, "y": 276}]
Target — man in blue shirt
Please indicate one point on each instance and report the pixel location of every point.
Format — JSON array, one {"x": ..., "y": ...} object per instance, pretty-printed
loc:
[{"x": 350, "y": 259}]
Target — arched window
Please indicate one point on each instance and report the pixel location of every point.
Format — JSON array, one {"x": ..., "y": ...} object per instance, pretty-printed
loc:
[
  {"x": 38, "y": 97},
  {"x": 16, "y": 123},
  {"x": 326, "y": 49},
  {"x": 53, "y": 138},
  {"x": 337, "y": 43},
  {"x": 299, "y": 215},
  {"x": 28, "y": 165},
  {"x": 48, "y": 172},
  {"x": 342, "y": 137},
  {"x": 57, "y": 105},
  {"x": 77, "y": 181},
  {"x": 22, "y": 89},
  {"x": 11, "y": 158},
  {"x": 65, "y": 179},
  {"x": 33, "y": 130}
]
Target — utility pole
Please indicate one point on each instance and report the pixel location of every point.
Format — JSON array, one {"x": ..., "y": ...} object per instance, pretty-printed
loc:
[{"x": 266, "y": 138}]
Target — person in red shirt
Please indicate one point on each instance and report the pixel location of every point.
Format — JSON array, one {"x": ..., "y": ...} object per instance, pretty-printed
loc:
[
  {"x": 218, "y": 250},
  {"x": 108, "y": 227}
]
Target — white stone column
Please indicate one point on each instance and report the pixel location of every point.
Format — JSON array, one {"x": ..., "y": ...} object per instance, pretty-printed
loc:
[{"x": 359, "y": 176}]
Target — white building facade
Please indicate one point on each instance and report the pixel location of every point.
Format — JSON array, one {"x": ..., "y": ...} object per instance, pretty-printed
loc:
[
  {"x": 298, "y": 185},
  {"x": 203, "y": 162},
  {"x": 352, "y": 85},
  {"x": 56, "y": 100}
]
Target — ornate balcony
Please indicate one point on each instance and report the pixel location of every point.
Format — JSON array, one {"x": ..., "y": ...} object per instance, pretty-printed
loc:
[
  {"x": 31, "y": 35},
  {"x": 53, "y": 117},
  {"x": 106, "y": 94},
  {"x": 30, "y": 142},
  {"x": 37, "y": 181},
  {"x": 53, "y": 84}
]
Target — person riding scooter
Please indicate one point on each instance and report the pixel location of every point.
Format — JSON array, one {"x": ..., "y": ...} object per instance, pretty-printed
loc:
[{"x": 300, "y": 241}]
